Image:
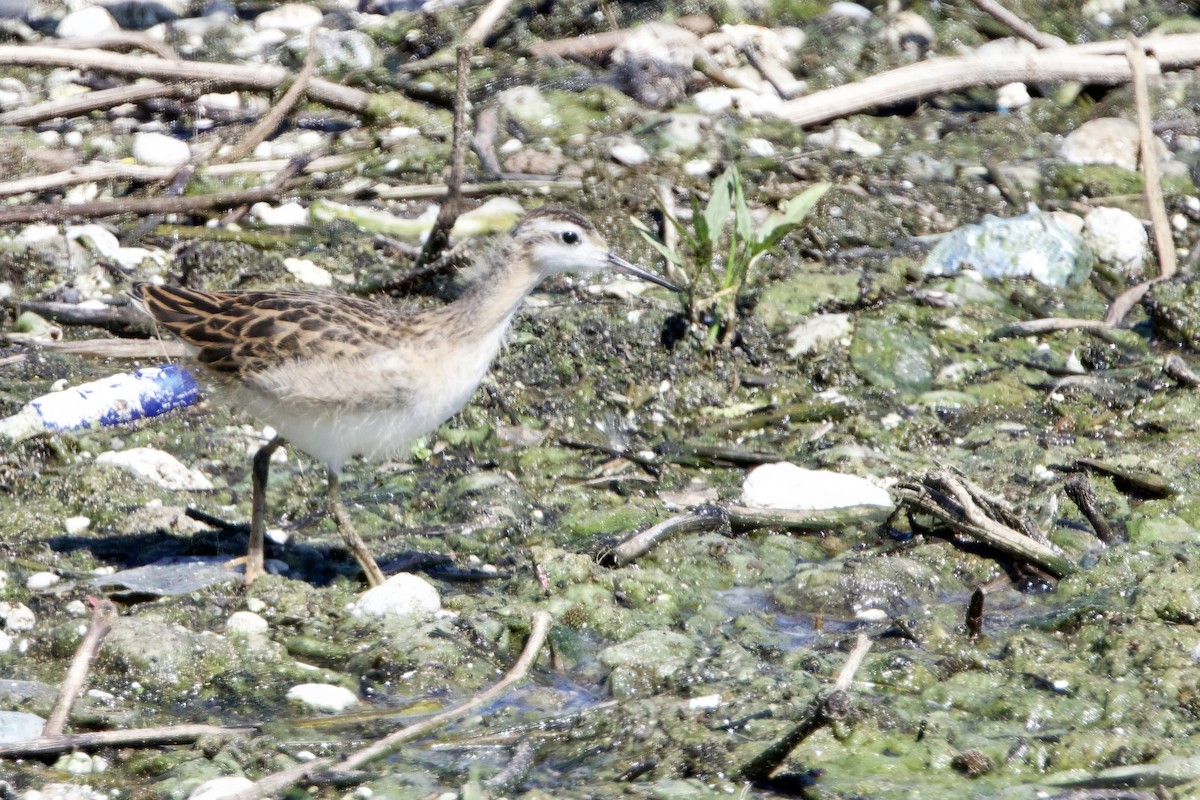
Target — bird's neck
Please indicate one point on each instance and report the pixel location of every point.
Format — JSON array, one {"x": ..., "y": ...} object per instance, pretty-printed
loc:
[{"x": 489, "y": 303}]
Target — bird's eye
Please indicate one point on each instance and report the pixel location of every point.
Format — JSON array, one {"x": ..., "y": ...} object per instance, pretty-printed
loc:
[{"x": 570, "y": 237}]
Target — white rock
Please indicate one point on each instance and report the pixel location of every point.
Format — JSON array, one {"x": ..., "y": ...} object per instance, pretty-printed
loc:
[
  {"x": 1116, "y": 238},
  {"x": 18, "y": 617},
  {"x": 86, "y": 22},
  {"x": 760, "y": 147},
  {"x": 850, "y": 11},
  {"x": 844, "y": 140},
  {"x": 528, "y": 105},
  {"x": 217, "y": 788},
  {"x": 20, "y": 726},
  {"x": 306, "y": 271},
  {"x": 787, "y": 486},
  {"x": 160, "y": 150},
  {"x": 630, "y": 154},
  {"x": 291, "y": 17},
  {"x": 156, "y": 467},
  {"x": 1107, "y": 140},
  {"x": 816, "y": 332},
  {"x": 76, "y": 763},
  {"x": 41, "y": 581},
  {"x": 40, "y": 235},
  {"x": 75, "y": 525},
  {"x": 246, "y": 622},
  {"x": 323, "y": 696},
  {"x": 399, "y": 596},
  {"x": 286, "y": 215},
  {"x": 6, "y": 644},
  {"x": 1012, "y": 95}
]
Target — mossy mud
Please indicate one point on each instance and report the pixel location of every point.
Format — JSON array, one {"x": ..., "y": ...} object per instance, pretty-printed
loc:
[{"x": 666, "y": 677}]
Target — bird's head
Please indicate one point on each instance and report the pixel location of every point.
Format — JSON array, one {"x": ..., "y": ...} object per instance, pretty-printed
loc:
[{"x": 560, "y": 240}]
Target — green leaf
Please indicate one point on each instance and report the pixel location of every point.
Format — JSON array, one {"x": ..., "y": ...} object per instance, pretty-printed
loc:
[
  {"x": 700, "y": 223},
  {"x": 743, "y": 225},
  {"x": 716, "y": 213},
  {"x": 781, "y": 223},
  {"x": 649, "y": 235}
]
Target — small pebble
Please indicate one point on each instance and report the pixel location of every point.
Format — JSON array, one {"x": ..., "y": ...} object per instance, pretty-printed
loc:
[
  {"x": 87, "y": 22},
  {"x": 256, "y": 605},
  {"x": 76, "y": 525},
  {"x": 18, "y": 617},
  {"x": 629, "y": 153},
  {"x": 306, "y": 271},
  {"x": 323, "y": 696},
  {"x": 290, "y": 17},
  {"x": 41, "y": 581},
  {"x": 246, "y": 622},
  {"x": 401, "y": 595},
  {"x": 156, "y": 467},
  {"x": 217, "y": 788},
  {"x": 160, "y": 150}
]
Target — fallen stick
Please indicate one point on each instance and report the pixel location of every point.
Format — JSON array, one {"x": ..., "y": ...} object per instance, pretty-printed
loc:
[
  {"x": 100, "y": 624},
  {"x": 259, "y": 77},
  {"x": 189, "y": 204},
  {"x": 1164, "y": 242},
  {"x": 1019, "y": 26},
  {"x": 747, "y": 517},
  {"x": 275, "y": 784},
  {"x": 270, "y": 121},
  {"x": 709, "y": 518},
  {"x": 134, "y": 737},
  {"x": 101, "y": 100},
  {"x": 939, "y": 76},
  {"x": 116, "y": 170},
  {"x": 483, "y": 24},
  {"x": 129, "y": 40},
  {"x": 823, "y": 710},
  {"x": 439, "y": 236}
]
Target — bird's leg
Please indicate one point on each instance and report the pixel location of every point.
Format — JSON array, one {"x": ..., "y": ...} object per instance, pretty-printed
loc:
[
  {"x": 346, "y": 529},
  {"x": 258, "y": 509}
]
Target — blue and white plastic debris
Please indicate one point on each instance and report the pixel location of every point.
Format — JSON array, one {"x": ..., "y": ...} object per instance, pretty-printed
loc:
[{"x": 101, "y": 403}]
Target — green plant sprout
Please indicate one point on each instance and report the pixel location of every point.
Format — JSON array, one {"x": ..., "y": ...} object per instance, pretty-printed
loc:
[{"x": 713, "y": 286}]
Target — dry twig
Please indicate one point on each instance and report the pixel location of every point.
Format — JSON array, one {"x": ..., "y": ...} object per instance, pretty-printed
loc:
[
  {"x": 270, "y": 121},
  {"x": 483, "y": 24},
  {"x": 1019, "y": 26},
  {"x": 709, "y": 518},
  {"x": 439, "y": 235},
  {"x": 823, "y": 710},
  {"x": 275, "y": 784},
  {"x": 258, "y": 77},
  {"x": 100, "y": 624},
  {"x": 134, "y": 737}
]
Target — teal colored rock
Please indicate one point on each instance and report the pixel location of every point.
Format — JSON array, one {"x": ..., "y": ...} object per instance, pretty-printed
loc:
[{"x": 891, "y": 355}]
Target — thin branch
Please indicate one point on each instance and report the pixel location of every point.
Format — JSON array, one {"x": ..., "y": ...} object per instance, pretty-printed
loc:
[
  {"x": 1034, "y": 327},
  {"x": 942, "y": 75},
  {"x": 259, "y": 77},
  {"x": 275, "y": 784},
  {"x": 483, "y": 24},
  {"x": 116, "y": 170},
  {"x": 101, "y": 623},
  {"x": 439, "y": 235},
  {"x": 101, "y": 100},
  {"x": 823, "y": 710},
  {"x": 270, "y": 121},
  {"x": 191, "y": 204},
  {"x": 1164, "y": 242},
  {"x": 709, "y": 518},
  {"x": 1019, "y": 26},
  {"x": 134, "y": 737},
  {"x": 117, "y": 40}
]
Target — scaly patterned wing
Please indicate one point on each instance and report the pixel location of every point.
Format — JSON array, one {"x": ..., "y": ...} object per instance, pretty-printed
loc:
[{"x": 244, "y": 333}]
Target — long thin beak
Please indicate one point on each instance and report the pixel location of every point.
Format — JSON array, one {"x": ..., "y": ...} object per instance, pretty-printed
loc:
[{"x": 632, "y": 269}]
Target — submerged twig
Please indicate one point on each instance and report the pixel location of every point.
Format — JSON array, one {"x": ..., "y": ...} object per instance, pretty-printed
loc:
[
  {"x": 1177, "y": 370},
  {"x": 708, "y": 518},
  {"x": 823, "y": 710},
  {"x": 277, "y": 783},
  {"x": 945, "y": 497},
  {"x": 1084, "y": 498},
  {"x": 134, "y": 737},
  {"x": 100, "y": 624},
  {"x": 1033, "y": 327}
]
